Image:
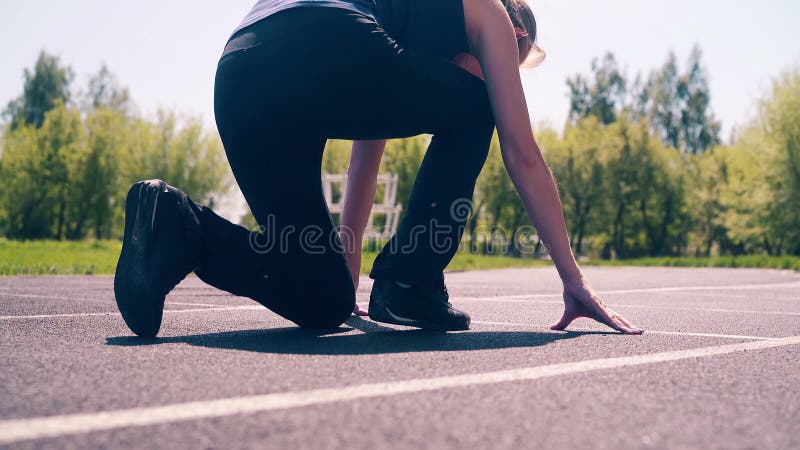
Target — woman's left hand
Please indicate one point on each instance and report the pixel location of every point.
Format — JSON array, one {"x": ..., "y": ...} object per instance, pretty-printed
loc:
[{"x": 580, "y": 300}]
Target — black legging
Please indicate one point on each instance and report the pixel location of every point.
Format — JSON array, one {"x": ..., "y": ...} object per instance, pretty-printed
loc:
[{"x": 306, "y": 75}]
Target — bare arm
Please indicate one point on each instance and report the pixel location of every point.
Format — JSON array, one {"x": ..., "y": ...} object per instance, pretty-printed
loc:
[
  {"x": 493, "y": 42},
  {"x": 359, "y": 196},
  {"x": 495, "y": 46}
]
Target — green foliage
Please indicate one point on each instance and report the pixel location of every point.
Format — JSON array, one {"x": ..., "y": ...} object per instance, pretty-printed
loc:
[
  {"x": 403, "y": 157},
  {"x": 762, "y": 194},
  {"x": 751, "y": 261},
  {"x": 180, "y": 152},
  {"x": 602, "y": 96},
  {"x": 45, "y": 257},
  {"x": 639, "y": 167},
  {"x": 676, "y": 106},
  {"x": 68, "y": 178},
  {"x": 627, "y": 195},
  {"x": 576, "y": 164},
  {"x": 45, "y": 87},
  {"x": 66, "y": 170},
  {"x": 498, "y": 212},
  {"x": 104, "y": 91},
  {"x": 36, "y": 170}
]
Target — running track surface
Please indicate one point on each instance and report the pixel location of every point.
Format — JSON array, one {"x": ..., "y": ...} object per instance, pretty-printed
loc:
[{"x": 718, "y": 368}]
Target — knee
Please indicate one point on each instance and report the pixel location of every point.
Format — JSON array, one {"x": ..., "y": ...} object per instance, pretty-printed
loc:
[
  {"x": 325, "y": 309},
  {"x": 327, "y": 315}
]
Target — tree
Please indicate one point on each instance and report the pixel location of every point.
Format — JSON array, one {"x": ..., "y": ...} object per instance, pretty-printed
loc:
[
  {"x": 36, "y": 166},
  {"x": 105, "y": 91},
  {"x": 66, "y": 171},
  {"x": 21, "y": 198},
  {"x": 577, "y": 167},
  {"x": 45, "y": 87},
  {"x": 780, "y": 121},
  {"x": 631, "y": 169},
  {"x": 662, "y": 203},
  {"x": 747, "y": 198},
  {"x": 403, "y": 157},
  {"x": 699, "y": 128},
  {"x": 707, "y": 177},
  {"x": 678, "y": 105},
  {"x": 602, "y": 96},
  {"x": 180, "y": 152},
  {"x": 502, "y": 210},
  {"x": 764, "y": 193},
  {"x": 96, "y": 188}
]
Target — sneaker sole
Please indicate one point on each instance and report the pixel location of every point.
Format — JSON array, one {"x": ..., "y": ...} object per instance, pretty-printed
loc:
[{"x": 141, "y": 308}]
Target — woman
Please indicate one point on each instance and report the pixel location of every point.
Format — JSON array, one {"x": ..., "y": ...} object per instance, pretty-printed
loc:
[{"x": 298, "y": 72}]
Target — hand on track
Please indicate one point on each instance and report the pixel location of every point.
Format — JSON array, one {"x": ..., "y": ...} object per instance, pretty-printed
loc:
[{"x": 581, "y": 301}]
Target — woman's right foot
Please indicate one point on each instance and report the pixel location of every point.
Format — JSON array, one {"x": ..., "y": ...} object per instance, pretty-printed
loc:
[
  {"x": 415, "y": 307},
  {"x": 155, "y": 254}
]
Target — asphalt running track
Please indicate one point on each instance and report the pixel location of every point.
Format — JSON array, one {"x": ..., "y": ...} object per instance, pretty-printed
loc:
[{"x": 719, "y": 367}]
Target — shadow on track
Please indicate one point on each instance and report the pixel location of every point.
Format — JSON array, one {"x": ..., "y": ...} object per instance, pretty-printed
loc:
[{"x": 375, "y": 339}]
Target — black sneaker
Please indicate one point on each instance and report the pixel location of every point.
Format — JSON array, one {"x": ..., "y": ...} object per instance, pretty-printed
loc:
[
  {"x": 415, "y": 307},
  {"x": 155, "y": 254}
]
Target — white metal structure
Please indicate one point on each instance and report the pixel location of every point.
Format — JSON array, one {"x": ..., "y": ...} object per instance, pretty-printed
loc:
[{"x": 388, "y": 207}]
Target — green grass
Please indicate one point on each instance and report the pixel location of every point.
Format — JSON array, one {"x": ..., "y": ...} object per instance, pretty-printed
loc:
[
  {"x": 100, "y": 257},
  {"x": 463, "y": 262},
  {"x": 754, "y": 261},
  {"x": 58, "y": 257}
]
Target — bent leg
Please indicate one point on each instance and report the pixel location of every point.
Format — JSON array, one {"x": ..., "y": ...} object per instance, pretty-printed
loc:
[
  {"x": 294, "y": 265},
  {"x": 414, "y": 93},
  {"x": 275, "y": 105}
]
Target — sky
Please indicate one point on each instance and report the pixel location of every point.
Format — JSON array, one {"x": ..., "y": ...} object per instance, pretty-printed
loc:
[{"x": 165, "y": 52}]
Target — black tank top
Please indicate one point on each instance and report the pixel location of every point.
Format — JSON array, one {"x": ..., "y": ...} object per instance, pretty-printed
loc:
[
  {"x": 265, "y": 8},
  {"x": 430, "y": 26}
]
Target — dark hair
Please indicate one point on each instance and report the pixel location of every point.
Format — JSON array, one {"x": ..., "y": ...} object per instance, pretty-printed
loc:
[{"x": 530, "y": 54}]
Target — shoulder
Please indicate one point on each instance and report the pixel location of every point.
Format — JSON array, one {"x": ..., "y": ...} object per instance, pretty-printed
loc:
[{"x": 483, "y": 15}]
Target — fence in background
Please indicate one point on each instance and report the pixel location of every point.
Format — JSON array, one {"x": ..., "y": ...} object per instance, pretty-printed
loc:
[{"x": 334, "y": 187}]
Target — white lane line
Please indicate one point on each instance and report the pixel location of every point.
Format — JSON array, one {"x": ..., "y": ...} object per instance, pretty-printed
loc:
[
  {"x": 53, "y": 316},
  {"x": 254, "y": 308},
  {"x": 624, "y": 305},
  {"x": 717, "y": 295},
  {"x": 732, "y": 287},
  {"x": 647, "y": 331},
  {"x": 54, "y": 426},
  {"x": 791, "y": 284},
  {"x": 166, "y": 311},
  {"x": 471, "y": 299},
  {"x": 45, "y": 297},
  {"x": 209, "y": 305},
  {"x": 722, "y": 310},
  {"x": 79, "y": 299}
]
